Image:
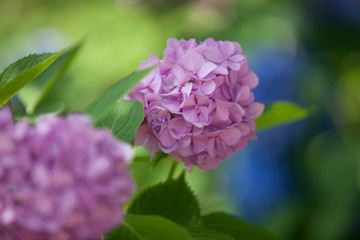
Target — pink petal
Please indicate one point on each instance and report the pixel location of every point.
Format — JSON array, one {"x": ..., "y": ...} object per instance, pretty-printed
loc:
[
  {"x": 238, "y": 48},
  {"x": 208, "y": 87},
  {"x": 206, "y": 69},
  {"x": 244, "y": 128},
  {"x": 181, "y": 76},
  {"x": 250, "y": 79},
  {"x": 234, "y": 65},
  {"x": 242, "y": 143},
  {"x": 222, "y": 70},
  {"x": 166, "y": 139},
  {"x": 211, "y": 162},
  {"x": 199, "y": 143},
  {"x": 172, "y": 43},
  {"x": 186, "y": 90},
  {"x": 210, "y": 42},
  {"x": 256, "y": 109},
  {"x": 185, "y": 141},
  {"x": 227, "y": 48},
  {"x": 218, "y": 81},
  {"x": 211, "y": 147},
  {"x": 214, "y": 54},
  {"x": 156, "y": 83},
  {"x": 237, "y": 58},
  {"x": 202, "y": 100},
  {"x": 192, "y": 61},
  {"x": 231, "y": 136},
  {"x": 222, "y": 110},
  {"x": 190, "y": 115},
  {"x": 190, "y": 102},
  {"x": 204, "y": 113},
  {"x": 243, "y": 94},
  {"x": 153, "y": 60},
  {"x": 171, "y": 103},
  {"x": 186, "y": 151},
  {"x": 142, "y": 134}
]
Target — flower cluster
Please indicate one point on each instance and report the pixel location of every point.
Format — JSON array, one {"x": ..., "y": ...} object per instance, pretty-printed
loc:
[
  {"x": 61, "y": 179},
  {"x": 198, "y": 102}
]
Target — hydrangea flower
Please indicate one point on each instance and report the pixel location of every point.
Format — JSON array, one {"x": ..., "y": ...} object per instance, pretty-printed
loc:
[
  {"x": 60, "y": 179},
  {"x": 199, "y": 107}
]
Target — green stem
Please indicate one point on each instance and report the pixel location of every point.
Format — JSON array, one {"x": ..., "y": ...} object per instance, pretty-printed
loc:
[{"x": 172, "y": 169}]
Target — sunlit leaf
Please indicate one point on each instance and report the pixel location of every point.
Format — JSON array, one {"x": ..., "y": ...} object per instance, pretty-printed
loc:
[
  {"x": 235, "y": 228},
  {"x": 201, "y": 233},
  {"x": 35, "y": 91},
  {"x": 124, "y": 120},
  {"x": 21, "y": 72},
  {"x": 279, "y": 113},
  {"x": 107, "y": 102},
  {"x": 140, "y": 227},
  {"x": 172, "y": 199}
]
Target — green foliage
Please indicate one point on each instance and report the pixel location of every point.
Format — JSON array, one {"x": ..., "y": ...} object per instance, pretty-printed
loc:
[
  {"x": 172, "y": 199},
  {"x": 160, "y": 155},
  {"x": 52, "y": 108},
  {"x": 234, "y": 227},
  {"x": 107, "y": 102},
  {"x": 201, "y": 233},
  {"x": 124, "y": 120},
  {"x": 278, "y": 113},
  {"x": 175, "y": 201},
  {"x": 141, "y": 155},
  {"x": 35, "y": 91},
  {"x": 140, "y": 227},
  {"x": 21, "y": 72}
]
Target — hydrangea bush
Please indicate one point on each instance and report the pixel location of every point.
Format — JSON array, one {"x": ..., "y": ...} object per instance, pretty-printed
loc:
[
  {"x": 198, "y": 103},
  {"x": 61, "y": 178}
]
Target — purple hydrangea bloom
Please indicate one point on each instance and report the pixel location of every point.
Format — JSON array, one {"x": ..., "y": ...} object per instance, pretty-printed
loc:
[
  {"x": 199, "y": 107},
  {"x": 60, "y": 179}
]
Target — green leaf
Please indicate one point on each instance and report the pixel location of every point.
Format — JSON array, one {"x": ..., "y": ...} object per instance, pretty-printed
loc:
[
  {"x": 279, "y": 113},
  {"x": 160, "y": 155},
  {"x": 139, "y": 227},
  {"x": 201, "y": 233},
  {"x": 36, "y": 90},
  {"x": 172, "y": 199},
  {"x": 235, "y": 228},
  {"x": 107, "y": 102},
  {"x": 21, "y": 72},
  {"x": 141, "y": 155},
  {"x": 52, "y": 108},
  {"x": 124, "y": 120}
]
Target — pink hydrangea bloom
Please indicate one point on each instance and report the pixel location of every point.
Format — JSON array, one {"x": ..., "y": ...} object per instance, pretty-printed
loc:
[
  {"x": 60, "y": 179},
  {"x": 199, "y": 107}
]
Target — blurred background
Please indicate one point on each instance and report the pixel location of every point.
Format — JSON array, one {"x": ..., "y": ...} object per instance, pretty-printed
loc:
[{"x": 300, "y": 180}]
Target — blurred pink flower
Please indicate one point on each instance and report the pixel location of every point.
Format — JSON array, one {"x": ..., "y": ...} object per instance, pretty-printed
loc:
[
  {"x": 199, "y": 107},
  {"x": 61, "y": 179}
]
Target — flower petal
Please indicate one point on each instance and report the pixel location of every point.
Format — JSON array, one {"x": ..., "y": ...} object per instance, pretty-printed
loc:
[
  {"x": 231, "y": 136},
  {"x": 192, "y": 61},
  {"x": 206, "y": 69},
  {"x": 214, "y": 54}
]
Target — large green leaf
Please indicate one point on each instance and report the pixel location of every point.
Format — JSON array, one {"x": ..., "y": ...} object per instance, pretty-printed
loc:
[
  {"x": 172, "y": 199},
  {"x": 201, "y": 233},
  {"x": 124, "y": 120},
  {"x": 107, "y": 102},
  {"x": 21, "y": 72},
  {"x": 279, "y": 113},
  {"x": 139, "y": 227},
  {"x": 235, "y": 228},
  {"x": 35, "y": 91}
]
